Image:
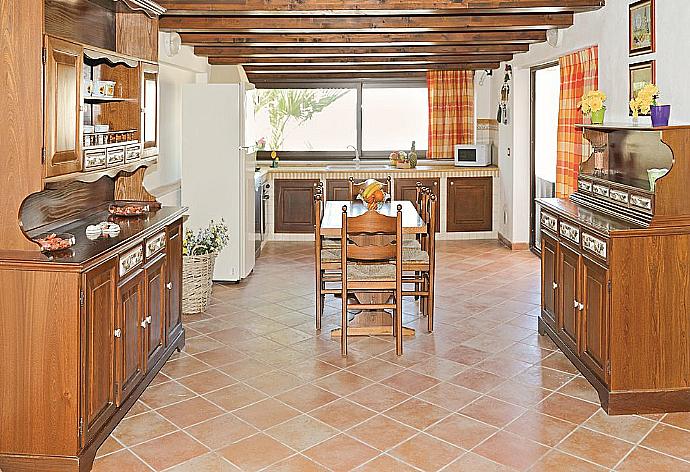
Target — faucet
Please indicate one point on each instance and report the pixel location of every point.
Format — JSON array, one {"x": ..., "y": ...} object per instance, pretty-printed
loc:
[{"x": 356, "y": 160}]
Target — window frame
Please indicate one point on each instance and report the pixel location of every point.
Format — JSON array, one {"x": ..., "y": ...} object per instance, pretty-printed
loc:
[{"x": 358, "y": 85}]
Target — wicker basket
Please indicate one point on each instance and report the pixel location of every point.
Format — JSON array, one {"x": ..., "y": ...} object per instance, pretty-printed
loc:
[{"x": 197, "y": 282}]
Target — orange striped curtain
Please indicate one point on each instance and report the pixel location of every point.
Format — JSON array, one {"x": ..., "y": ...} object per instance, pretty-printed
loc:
[
  {"x": 451, "y": 111},
  {"x": 579, "y": 74}
]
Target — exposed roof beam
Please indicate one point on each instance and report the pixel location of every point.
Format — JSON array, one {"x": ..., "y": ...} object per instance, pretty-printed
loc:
[
  {"x": 400, "y": 7},
  {"x": 365, "y": 24},
  {"x": 388, "y": 50},
  {"x": 364, "y": 39},
  {"x": 319, "y": 68},
  {"x": 353, "y": 60},
  {"x": 377, "y": 75}
]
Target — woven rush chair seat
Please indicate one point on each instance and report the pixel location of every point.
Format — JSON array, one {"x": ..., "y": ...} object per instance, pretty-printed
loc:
[
  {"x": 330, "y": 256},
  {"x": 330, "y": 243},
  {"x": 370, "y": 272},
  {"x": 415, "y": 255},
  {"x": 410, "y": 242}
]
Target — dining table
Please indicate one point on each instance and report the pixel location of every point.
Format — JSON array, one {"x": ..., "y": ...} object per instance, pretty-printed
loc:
[{"x": 371, "y": 322}]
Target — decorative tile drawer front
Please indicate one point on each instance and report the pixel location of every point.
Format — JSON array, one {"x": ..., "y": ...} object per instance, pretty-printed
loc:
[
  {"x": 584, "y": 185},
  {"x": 131, "y": 259},
  {"x": 600, "y": 190},
  {"x": 155, "y": 244},
  {"x": 570, "y": 232},
  {"x": 641, "y": 202},
  {"x": 619, "y": 196},
  {"x": 94, "y": 159},
  {"x": 549, "y": 222},
  {"x": 594, "y": 245},
  {"x": 116, "y": 156},
  {"x": 133, "y": 153}
]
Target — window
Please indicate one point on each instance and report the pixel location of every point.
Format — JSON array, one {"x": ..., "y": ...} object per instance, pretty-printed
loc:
[
  {"x": 323, "y": 120},
  {"x": 394, "y": 117}
]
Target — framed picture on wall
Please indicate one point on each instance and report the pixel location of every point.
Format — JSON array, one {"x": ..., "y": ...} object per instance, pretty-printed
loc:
[
  {"x": 641, "y": 74},
  {"x": 642, "y": 27}
]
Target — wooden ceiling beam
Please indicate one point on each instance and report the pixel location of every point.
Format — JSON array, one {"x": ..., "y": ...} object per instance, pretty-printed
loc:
[
  {"x": 361, "y": 24},
  {"x": 388, "y": 50},
  {"x": 353, "y": 60},
  {"x": 362, "y": 39},
  {"x": 363, "y": 68},
  {"x": 332, "y": 7},
  {"x": 375, "y": 75}
]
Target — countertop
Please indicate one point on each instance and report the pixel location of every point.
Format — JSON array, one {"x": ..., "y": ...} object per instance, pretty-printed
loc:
[{"x": 367, "y": 168}]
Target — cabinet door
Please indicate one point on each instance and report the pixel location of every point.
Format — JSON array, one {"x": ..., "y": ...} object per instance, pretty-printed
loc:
[
  {"x": 594, "y": 339},
  {"x": 98, "y": 341},
  {"x": 173, "y": 318},
  {"x": 63, "y": 105},
  {"x": 150, "y": 101},
  {"x": 130, "y": 342},
  {"x": 294, "y": 205},
  {"x": 549, "y": 279},
  {"x": 470, "y": 204},
  {"x": 568, "y": 309},
  {"x": 154, "y": 334},
  {"x": 406, "y": 189},
  {"x": 337, "y": 189}
]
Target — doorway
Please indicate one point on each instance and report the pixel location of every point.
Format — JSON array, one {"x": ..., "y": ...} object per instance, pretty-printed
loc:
[{"x": 545, "y": 95}]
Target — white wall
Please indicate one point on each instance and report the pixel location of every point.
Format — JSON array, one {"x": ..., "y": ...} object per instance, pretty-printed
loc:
[
  {"x": 607, "y": 27},
  {"x": 163, "y": 179}
]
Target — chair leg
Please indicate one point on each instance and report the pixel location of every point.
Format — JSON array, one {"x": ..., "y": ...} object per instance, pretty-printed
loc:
[
  {"x": 397, "y": 319},
  {"x": 319, "y": 303},
  {"x": 343, "y": 328},
  {"x": 430, "y": 307}
]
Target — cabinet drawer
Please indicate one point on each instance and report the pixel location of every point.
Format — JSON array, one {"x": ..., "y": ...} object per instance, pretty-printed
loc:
[
  {"x": 570, "y": 232},
  {"x": 549, "y": 222},
  {"x": 639, "y": 201},
  {"x": 116, "y": 156},
  {"x": 600, "y": 190},
  {"x": 584, "y": 185},
  {"x": 132, "y": 153},
  {"x": 619, "y": 196},
  {"x": 95, "y": 159},
  {"x": 131, "y": 259},
  {"x": 155, "y": 244},
  {"x": 595, "y": 245}
]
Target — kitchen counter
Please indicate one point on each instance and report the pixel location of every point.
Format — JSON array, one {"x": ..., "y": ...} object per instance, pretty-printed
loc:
[{"x": 338, "y": 170}]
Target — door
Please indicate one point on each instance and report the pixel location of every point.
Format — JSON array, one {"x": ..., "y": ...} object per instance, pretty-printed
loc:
[
  {"x": 63, "y": 107},
  {"x": 294, "y": 205},
  {"x": 549, "y": 279},
  {"x": 150, "y": 105},
  {"x": 470, "y": 204},
  {"x": 337, "y": 189},
  {"x": 173, "y": 320},
  {"x": 406, "y": 189},
  {"x": 595, "y": 318},
  {"x": 98, "y": 349},
  {"x": 154, "y": 333},
  {"x": 129, "y": 333},
  {"x": 546, "y": 82},
  {"x": 568, "y": 311}
]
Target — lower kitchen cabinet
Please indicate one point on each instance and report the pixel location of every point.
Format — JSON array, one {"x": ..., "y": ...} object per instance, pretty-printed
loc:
[
  {"x": 294, "y": 205},
  {"x": 129, "y": 331},
  {"x": 154, "y": 321},
  {"x": 469, "y": 204},
  {"x": 549, "y": 280},
  {"x": 568, "y": 315},
  {"x": 594, "y": 338},
  {"x": 406, "y": 189},
  {"x": 337, "y": 189},
  {"x": 173, "y": 247}
]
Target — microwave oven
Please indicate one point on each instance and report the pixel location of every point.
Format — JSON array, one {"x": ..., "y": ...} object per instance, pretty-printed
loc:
[{"x": 472, "y": 155}]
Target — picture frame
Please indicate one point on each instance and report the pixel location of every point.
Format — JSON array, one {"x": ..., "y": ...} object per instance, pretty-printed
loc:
[
  {"x": 641, "y": 27},
  {"x": 640, "y": 73}
]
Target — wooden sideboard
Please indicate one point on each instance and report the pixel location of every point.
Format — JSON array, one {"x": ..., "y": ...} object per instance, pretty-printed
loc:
[{"x": 616, "y": 269}]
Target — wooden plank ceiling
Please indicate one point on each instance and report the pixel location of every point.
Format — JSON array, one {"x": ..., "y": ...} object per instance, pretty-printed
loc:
[{"x": 326, "y": 39}]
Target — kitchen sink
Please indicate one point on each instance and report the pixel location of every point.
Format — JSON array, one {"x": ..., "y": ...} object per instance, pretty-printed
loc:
[{"x": 360, "y": 167}]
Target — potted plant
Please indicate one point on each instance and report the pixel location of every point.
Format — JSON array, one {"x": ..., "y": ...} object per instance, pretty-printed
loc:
[
  {"x": 592, "y": 105},
  {"x": 199, "y": 251},
  {"x": 645, "y": 102}
]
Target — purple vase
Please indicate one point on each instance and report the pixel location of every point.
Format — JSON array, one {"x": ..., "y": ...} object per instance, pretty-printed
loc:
[{"x": 660, "y": 115}]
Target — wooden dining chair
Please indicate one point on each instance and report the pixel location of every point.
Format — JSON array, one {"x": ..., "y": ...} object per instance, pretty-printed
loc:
[
  {"x": 327, "y": 261},
  {"x": 419, "y": 264},
  {"x": 371, "y": 261},
  {"x": 356, "y": 187}
]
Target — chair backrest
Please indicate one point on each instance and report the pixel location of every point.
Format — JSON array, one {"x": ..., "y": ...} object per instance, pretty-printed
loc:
[
  {"x": 358, "y": 186},
  {"x": 371, "y": 237},
  {"x": 318, "y": 215},
  {"x": 430, "y": 211}
]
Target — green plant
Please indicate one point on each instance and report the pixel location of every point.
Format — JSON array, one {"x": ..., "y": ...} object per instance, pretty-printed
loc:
[
  {"x": 285, "y": 105},
  {"x": 206, "y": 240}
]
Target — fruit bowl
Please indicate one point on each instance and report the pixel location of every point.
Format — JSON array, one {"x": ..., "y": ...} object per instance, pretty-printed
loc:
[
  {"x": 128, "y": 209},
  {"x": 53, "y": 242},
  {"x": 373, "y": 195}
]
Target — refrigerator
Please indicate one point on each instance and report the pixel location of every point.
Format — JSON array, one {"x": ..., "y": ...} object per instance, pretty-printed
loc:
[{"x": 218, "y": 165}]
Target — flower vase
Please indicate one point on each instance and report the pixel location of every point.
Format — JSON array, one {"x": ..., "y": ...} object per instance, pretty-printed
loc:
[
  {"x": 660, "y": 115},
  {"x": 597, "y": 117}
]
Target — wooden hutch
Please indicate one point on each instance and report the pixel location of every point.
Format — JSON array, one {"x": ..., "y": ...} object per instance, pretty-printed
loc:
[
  {"x": 84, "y": 330},
  {"x": 616, "y": 269}
]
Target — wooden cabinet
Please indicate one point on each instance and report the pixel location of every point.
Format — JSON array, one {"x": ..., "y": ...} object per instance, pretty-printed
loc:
[
  {"x": 150, "y": 105},
  {"x": 294, "y": 205},
  {"x": 130, "y": 328},
  {"x": 406, "y": 189},
  {"x": 337, "y": 189},
  {"x": 594, "y": 342},
  {"x": 156, "y": 291},
  {"x": 568, "y": 314},
  {"x": 98, "y": 341},
  {"x": 469, "y": 204},
  {"x": 173, "y": 320},
  {"x": 63, "y": 107},
  {"x": 549, "y": 280}
]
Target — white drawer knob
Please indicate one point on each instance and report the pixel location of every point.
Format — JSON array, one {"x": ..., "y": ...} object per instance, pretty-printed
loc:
[
  {"x": 118, "y": 333},
  {"x": 169, "y": 285}
]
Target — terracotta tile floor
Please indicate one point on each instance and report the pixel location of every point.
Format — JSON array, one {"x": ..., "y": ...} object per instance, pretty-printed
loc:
[{"x": 256, "y": 387}]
